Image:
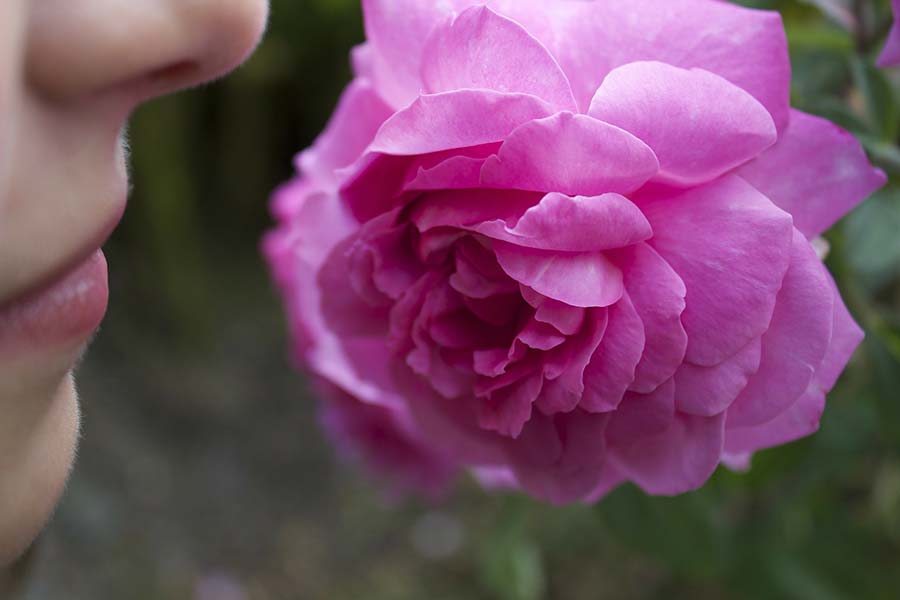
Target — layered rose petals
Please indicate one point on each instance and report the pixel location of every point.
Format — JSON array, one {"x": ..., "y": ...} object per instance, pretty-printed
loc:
[{"x": 566, "y": 245}]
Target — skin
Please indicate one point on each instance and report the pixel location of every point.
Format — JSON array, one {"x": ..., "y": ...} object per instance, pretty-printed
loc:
[{"x": 71, "y": 72}]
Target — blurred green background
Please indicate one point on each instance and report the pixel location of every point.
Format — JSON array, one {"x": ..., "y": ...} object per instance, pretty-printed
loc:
[{"x": 203, "y": 475}]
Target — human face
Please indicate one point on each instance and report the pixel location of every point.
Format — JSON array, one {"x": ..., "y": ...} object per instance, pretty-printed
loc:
[{"x": 71, "y": 72}]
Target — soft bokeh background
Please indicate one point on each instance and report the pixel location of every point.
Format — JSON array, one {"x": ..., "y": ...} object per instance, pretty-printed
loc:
[{"x": 202, "y": 472}]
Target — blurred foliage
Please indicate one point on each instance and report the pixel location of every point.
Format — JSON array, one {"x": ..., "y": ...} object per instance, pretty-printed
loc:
[{"x": 210, "y": 443}]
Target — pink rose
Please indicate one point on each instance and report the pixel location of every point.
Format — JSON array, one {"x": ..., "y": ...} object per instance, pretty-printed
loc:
[
  {"x": 567, "y": 243},
  {"x": 890, "y": 56}
]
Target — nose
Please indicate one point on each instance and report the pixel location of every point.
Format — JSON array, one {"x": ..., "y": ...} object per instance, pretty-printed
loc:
[{"x": 144, "y": 47}]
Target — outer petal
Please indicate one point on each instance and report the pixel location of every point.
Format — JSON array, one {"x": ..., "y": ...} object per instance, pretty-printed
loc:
[
  {"x": 456, "y": 120},
  {"x": 890, "y": 56},
  {"x": 642, "y": 415},
  {"x": 799, "y": 420},
  {"x": 576, "y": 224},
  {"x": 450, "y": 424},
  {"x": 675, "y": 459},
  {"x": 707, "y": 391},
  {"x": 387, "y": 441},
  {"x": 359, "y": 114},
  {"x": 560, "y": 459},
  {"x": 846, "y": 335},
  {"x": 396, "y": 31},
  {"x": 589, "y": 39},
  {"x": 572, "y": 154},
  {"x": 296, "y": 252},
  {"x": 583, "y": 279},
  {"x": 698, "y": 124},
  {"x": 795, "y": 344},
  {"x": 658, "y": 296},
  {"x": 731, "y": 246},
  {"x": 817, "y": 172},
  {"x": 482, "y": 50},
  {"x": 802, "y": 418}
]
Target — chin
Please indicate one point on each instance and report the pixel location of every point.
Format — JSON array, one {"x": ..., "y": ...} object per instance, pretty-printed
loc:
[{"x": 34, "y": 478}]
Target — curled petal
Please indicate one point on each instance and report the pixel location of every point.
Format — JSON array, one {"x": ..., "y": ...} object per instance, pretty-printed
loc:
[
  {"x": 576, "y": 224},
  {"x": 456, "y": 119},
  {"x": 583, "y": 279},
  {"x": 572, "y": 154}
]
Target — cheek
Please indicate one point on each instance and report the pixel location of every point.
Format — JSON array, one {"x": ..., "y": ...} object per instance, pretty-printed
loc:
[
  {"x": 11, "y": 65},
  {"x": 33, "y": 474}
]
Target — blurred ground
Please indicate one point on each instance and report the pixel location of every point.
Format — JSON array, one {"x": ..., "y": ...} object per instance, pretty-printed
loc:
[{"x": 203, "y": 475}]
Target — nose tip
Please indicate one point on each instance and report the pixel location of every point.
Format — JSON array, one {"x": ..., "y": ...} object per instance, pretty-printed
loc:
[{"x": 152, "y": 47}]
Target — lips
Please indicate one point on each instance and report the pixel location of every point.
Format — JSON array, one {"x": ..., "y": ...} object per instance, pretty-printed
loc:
[{"x": 63, "y": 314}]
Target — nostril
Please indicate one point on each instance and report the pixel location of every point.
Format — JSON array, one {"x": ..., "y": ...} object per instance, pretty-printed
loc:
[
  {"x": 169, "y": 78},
  {"x": 173, "y": 73}
]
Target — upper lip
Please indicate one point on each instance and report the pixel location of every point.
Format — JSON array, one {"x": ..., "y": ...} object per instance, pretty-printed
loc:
[{"x": 66, "y": 266}]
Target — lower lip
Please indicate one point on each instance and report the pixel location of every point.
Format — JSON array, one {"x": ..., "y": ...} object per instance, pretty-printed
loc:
[{"x": 62, "y": 315}]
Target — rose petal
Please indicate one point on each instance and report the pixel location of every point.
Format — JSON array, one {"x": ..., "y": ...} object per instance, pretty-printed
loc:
[
  {"x": 571, "y": 154},
  {"x": 707, "y": 391},
  {"x": 580, "y": 279},
  {"x": 578, "y": 224},
  {"x": 802, "y": 418},
  {"x": 731, "y": 246},
  {"x": 817, "y": 172},
  {"x": 590, "y": 39},
  {"x": 449, "y": 424},
  {"x": 658, "y": 296},
  {"x": 506, "y": 410},
  {"x": 846, "y": 335},
  {"x": 560, "y": 459},
  {"x": 565, "y": 367},
  {"x": 890, "y": 55},
  {"x": 467, "y": 209},
  {"x": 642, "y": 415},
  {"x": 612, "y": 367},
  {"x": 795, "y": 344},
  {"x": 799, "y": 420},
  {"x": 698, "y": 124},
  {"x": 456, "y": 119},
  {"x": 483, "y": 50},
  {"x": 396, "y": 31},
  {"x": 678, "y": 460},
  {"x": 358, "y": 116}
]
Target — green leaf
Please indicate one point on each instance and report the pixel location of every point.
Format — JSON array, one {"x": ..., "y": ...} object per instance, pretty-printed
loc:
[
  {"x": 872, "y": 243},
  {"x": 512, "y": 566},
  {"x": 882, "y": 109}
]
